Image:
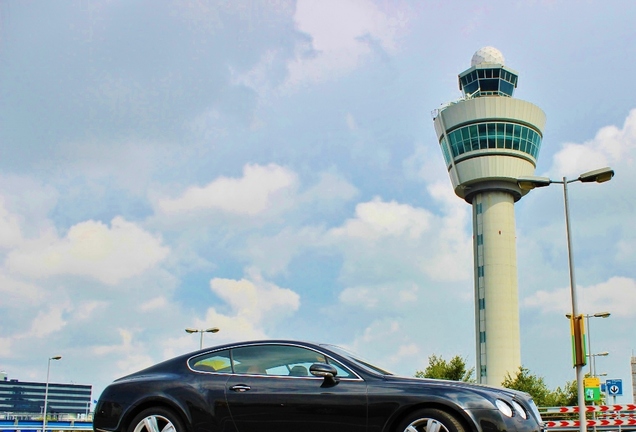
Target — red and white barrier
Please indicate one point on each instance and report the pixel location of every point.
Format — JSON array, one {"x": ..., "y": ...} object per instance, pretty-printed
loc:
[
  {"x": 590, "y": 423},
  {"x": 593, "y": 408}
]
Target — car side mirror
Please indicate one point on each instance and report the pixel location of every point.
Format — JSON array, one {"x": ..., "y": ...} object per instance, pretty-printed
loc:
[{"x": 324, "y": 370}]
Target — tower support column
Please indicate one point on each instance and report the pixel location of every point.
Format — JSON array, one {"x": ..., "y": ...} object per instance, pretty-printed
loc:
[{"x": 496, "y": 287}]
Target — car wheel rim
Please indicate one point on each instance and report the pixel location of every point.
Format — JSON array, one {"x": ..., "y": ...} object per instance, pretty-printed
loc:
[
  {"x": 425, "y": 425},
  {"x": 155, "y": 423}
]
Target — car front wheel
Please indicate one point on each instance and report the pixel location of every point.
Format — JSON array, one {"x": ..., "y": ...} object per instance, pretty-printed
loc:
[
  {"x": 430, "y": 420},
  {"x": 156, "y": 420}
]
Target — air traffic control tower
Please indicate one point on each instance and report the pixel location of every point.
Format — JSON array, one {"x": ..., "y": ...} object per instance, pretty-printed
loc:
[{"x": 489, "y": 139}]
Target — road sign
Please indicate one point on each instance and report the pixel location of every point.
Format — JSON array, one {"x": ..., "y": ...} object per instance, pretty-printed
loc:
[
  {"x": 592, "y": 382},
  {"x": 614, "y": 387},
  {"x": 592, "y": 394}
]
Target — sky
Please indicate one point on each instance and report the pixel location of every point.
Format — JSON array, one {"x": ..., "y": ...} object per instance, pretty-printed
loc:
[{"x": 270, "y": 168}]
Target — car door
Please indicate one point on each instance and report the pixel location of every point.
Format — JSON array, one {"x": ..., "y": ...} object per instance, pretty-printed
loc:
[
  {"x": 272, "y": 389},
  {"x": 210, "y": 373}
]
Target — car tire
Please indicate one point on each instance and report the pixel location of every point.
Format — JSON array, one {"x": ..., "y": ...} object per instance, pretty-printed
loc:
[
  {"x": 156, "y": 420},
  {"x": 430, "y": 420}
]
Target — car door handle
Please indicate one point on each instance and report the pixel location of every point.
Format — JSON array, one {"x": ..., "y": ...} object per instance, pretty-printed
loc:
[{"x": 240, "y": 388}]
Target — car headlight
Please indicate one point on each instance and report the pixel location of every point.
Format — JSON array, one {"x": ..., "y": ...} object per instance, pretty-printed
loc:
[
  {"x": 504, "y": 407},
  {"x": 520, "y": 410}
]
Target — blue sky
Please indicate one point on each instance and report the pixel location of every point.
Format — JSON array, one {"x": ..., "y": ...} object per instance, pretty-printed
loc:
[{"x": 271, "y": 168}]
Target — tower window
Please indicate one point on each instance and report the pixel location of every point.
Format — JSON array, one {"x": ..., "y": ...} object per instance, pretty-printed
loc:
[{"x": 491, "y": 135}]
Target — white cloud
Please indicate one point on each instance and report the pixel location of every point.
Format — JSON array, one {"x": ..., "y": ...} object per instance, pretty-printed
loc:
[
  {"x": 330, "y": 188},
  {"x": 610, "y": 146},
  {"x": 342, "y": 34},
  {"x": 5, "y": 347},
  {"x": 126, "y": 342},
  {"x": 14, "y": 291},
  {"x": 91, "y": 249},
  {"x": 261, "y": 188},
  {"x": 394, "y": 239},
  {"x": 377, "y": 219},
  {"x": 391, "y": 296},
  {"x": 154, "y": 304},
  {"x": 50, "y": 321},
  {"x": 129, "y": 356},
  {"x": 10, "y": 233},
  {"x": 618, "y": 295},
  {"x": 254, "y": 298},
  {"x": 405, "y": 352},
  {"x": 255, "y": 306}
]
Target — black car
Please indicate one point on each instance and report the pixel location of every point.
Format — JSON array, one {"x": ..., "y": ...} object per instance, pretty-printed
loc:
[{"x": 285, "y": 386}]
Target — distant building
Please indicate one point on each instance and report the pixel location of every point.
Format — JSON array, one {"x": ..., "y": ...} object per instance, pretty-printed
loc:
[
  {"x": 633, "y": 379},
  {"x": 27, "y": 398}
]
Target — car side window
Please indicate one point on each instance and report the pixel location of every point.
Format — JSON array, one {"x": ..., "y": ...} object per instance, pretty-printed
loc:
[
  {"x": 343, "y": 372},
  {"x": 275, "y": 360},
  {"x": 218, "y": 361}
]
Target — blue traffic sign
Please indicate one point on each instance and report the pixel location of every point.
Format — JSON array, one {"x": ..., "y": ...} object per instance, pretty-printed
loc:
[{"x": 614, "y": 387}]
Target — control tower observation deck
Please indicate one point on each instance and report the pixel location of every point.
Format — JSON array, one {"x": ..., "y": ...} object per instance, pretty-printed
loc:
[{"x": 489, "y": 140}]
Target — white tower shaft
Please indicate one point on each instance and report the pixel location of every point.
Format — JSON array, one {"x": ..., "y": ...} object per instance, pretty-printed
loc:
[{"x": 496, "y": 292}]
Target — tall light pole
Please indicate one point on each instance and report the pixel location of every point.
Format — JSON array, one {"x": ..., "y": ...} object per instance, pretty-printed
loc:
[
  {"x": 46, "y": 389},
  {"x": 208, "y": 330},
  {"x": 599, "y": 176}
]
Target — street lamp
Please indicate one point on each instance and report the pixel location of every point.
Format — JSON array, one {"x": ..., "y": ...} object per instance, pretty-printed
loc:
[
  {"x": 599, "y": 176},
  {"x": 592, "y": 358},
  {"x": 46, "y": 389},
  {"x": 209, "y": 330}
]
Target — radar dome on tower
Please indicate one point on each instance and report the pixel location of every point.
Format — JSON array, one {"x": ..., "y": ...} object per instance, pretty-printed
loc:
[
  {"x": 487, "y": 55},
  {"x": 487, "y": 75}
]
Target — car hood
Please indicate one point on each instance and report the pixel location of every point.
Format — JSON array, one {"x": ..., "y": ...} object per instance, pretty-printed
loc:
[{"x": 477, "y": 388}]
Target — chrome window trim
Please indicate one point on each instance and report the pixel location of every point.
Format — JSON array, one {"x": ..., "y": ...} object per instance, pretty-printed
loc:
[{"x": 250, "y": 344}]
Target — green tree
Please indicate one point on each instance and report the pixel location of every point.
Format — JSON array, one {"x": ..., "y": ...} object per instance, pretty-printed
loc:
[
  {"x": 566, "y": 396},
  {"x": 454, "y": 369},
  {"x": 523, "y": 380},
  {"x": 535, "y": 385}
]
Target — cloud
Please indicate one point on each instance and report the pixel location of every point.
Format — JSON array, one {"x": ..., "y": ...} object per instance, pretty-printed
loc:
[
  {"x": 391, "y": 296},
  {"x": 154, "y": 304},
  {"x": 50, "y": 321},
  {"x": 10, "y": 233},
  {"x": 392, "y": 240},
  {"x": 610, "y": 146},
  {"x": 343, "y": 35},
  {"x": 261, "y": 188},
  {"x": 254, "y": 306},
  {"x": 254, "y": 298},
  {"x": 90, "y": 249},
  {"x": 14, "y": 291},
  {"x": 618, "y": 295},
  {"x": 129, "y": 356},
  {"x": 377, "y": 219}
]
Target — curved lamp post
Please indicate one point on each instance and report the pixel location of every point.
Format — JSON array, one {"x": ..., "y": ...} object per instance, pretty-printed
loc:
[
  {"x": 46, "y": 389},
  {"x": 208, "y": 330},
  {"x": 599, "y": 176}
]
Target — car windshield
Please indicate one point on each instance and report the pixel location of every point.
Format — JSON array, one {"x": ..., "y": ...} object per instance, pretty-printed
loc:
[{"x": 357, "y": 359}]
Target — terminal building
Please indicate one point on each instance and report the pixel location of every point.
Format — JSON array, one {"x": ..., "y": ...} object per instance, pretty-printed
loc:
[{"x": 21, "y": 399}]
